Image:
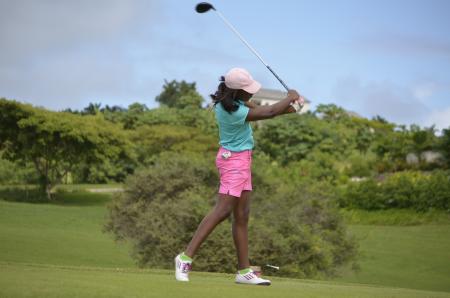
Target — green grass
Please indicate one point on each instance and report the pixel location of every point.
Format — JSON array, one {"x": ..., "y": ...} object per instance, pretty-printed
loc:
[
  {"x": 396, "y": 217},
  {"x": 403, "y": 256},
  {"x": 32, "y": 193},
  {"x": 67, "y": 232},
  {"x": 58, "y": 250},
  {"x": 59, "y": 281}
]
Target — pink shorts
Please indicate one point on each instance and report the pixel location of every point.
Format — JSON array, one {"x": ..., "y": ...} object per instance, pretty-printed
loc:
[{"x": 235, "y": 171}]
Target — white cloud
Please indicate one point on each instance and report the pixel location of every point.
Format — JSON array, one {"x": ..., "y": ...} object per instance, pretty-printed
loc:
[
  {"x": 440, "y": 118},
  {"x": 425, "y": 90}
]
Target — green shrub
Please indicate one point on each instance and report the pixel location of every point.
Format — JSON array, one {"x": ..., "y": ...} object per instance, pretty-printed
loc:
[
  {"x": 16, "y": 173},
  {"x": 360, "y": 166},
  {"x": 295, "y": 227},
  {"x": 414, "y": 190},
  {"x": 28, "y": 194}
]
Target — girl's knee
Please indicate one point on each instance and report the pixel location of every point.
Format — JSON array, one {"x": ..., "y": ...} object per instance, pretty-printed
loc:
[
  {"x": 223, "y": 212},
  {"x": 241, "y": 216}
]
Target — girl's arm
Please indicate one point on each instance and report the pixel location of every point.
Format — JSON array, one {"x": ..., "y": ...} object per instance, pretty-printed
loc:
[
  {"x": 279, "y": 108},
  {"x": 250, "y": 104}
]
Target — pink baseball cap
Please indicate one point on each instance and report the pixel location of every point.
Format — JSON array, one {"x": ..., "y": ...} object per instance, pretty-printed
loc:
[{"x": 239, "y": 78}]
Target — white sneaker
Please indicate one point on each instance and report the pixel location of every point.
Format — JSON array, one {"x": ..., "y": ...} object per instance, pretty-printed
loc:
[
  {"x": 251, "y": 278},
  {"x": 182, "y": 269}
]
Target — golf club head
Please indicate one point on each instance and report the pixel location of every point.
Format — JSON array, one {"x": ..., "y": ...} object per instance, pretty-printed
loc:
[{"x": 203, "y": 7}]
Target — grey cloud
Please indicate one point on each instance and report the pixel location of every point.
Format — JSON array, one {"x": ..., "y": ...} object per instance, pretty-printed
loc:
[
  {"x": 29, "y": 28},
  {"x": 396, "y": 103},
  {"x": 71, "y": 79},
  {"x": 403, "y": 44},
  {"x": 65, "y": 53},
  {"x": 61, "y": 54}
]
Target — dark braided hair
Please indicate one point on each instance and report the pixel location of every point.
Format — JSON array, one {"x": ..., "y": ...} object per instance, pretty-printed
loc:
[{"x": 226, "y": 96}]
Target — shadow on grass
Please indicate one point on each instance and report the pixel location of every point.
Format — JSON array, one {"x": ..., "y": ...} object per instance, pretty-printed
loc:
[
  {"x": 81, "y": 198},
  {"x": 27, "y": 194}
]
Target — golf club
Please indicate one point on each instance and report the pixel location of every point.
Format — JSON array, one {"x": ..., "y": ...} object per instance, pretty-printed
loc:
[
  {"x": 205, "y": 7},
  {"x": 274, "y": 267}
]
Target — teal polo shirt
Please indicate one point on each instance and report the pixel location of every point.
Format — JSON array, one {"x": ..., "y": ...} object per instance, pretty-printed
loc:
[{"x": 234, "y": 132}]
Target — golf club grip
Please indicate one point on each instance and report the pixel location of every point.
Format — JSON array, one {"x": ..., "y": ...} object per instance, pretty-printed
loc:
[
  {"x": 278, "y": 78},
  {"x": 281, "y": 81}
]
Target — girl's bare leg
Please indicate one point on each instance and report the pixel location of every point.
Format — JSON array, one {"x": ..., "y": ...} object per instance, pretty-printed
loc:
[
  {"x": 240, "y": 229},
  {"x": 223, "y": 208}
]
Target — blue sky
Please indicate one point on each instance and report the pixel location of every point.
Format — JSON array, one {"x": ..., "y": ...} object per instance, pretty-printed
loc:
[{"x": 388, "y": 58}]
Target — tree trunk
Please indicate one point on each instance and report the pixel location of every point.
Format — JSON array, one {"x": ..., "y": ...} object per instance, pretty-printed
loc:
[
  {"x": 45, "y": 186},
  {"x": 48, "y": 191},
  {"x": 44, "y": 180}
]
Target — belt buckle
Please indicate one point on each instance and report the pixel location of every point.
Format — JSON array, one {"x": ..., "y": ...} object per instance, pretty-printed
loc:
[{"x": 226, "y": 154}]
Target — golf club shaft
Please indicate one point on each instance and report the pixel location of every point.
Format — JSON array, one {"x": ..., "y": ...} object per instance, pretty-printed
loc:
[{"x": 251, "y": 48}]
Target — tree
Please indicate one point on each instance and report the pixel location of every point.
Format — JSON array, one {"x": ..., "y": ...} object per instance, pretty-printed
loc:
[
  {"x": 331, "y": 112},
  {"x": 114, "y": 114},
  {"x": 132, "y": 115},
  {"x": 391, "y": 148},
  {"x": 292, "y": 138},
  {"x": 380, "y": 119},
  {"x": 92, "y": 109},
  {"x": 113, "y": 109},
  {"x": 57, "y": 141},
  {"x": 151, "y": 140},
  {"x": 191, "y": 99},
  {"x": 364, "y": 139},
  {"x": 202, "y": 119},
  {"x": 422, "y": 139},
  {"x": 289, "y": 138},
  {"x": 444, "y": 145},
  {"x": 179, "y": 94}
]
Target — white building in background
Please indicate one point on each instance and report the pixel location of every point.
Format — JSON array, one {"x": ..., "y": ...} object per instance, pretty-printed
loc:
[
  {"x": 426, "y": 157},
  {"x": 265, "y": 97}
]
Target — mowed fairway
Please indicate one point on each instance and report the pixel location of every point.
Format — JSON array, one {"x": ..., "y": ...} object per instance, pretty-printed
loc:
[
  {"x": 413, "y": 257},
  {"x": 64, "y": 233},
  {"x": 58, "y": 250},
  {"x": 35, "y": 281}
]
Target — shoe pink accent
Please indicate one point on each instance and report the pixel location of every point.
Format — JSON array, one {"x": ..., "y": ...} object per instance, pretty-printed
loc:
[
  {"x": 251, "y": 279},
  {"x": 182, "y": 269}
]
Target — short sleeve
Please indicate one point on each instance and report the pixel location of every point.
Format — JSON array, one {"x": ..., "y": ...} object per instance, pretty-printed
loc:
[{"x": 241, "y": 113}]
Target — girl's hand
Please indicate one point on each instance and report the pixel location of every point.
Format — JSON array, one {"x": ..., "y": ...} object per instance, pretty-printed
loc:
[
  {"x": 301, "y": 100},
  {"x": 298, "y": 104},
  {"x": 293, "y": 96}
]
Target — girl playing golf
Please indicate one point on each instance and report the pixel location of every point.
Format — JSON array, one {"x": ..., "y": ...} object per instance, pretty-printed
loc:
[{"x": 233, "y": 114}]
